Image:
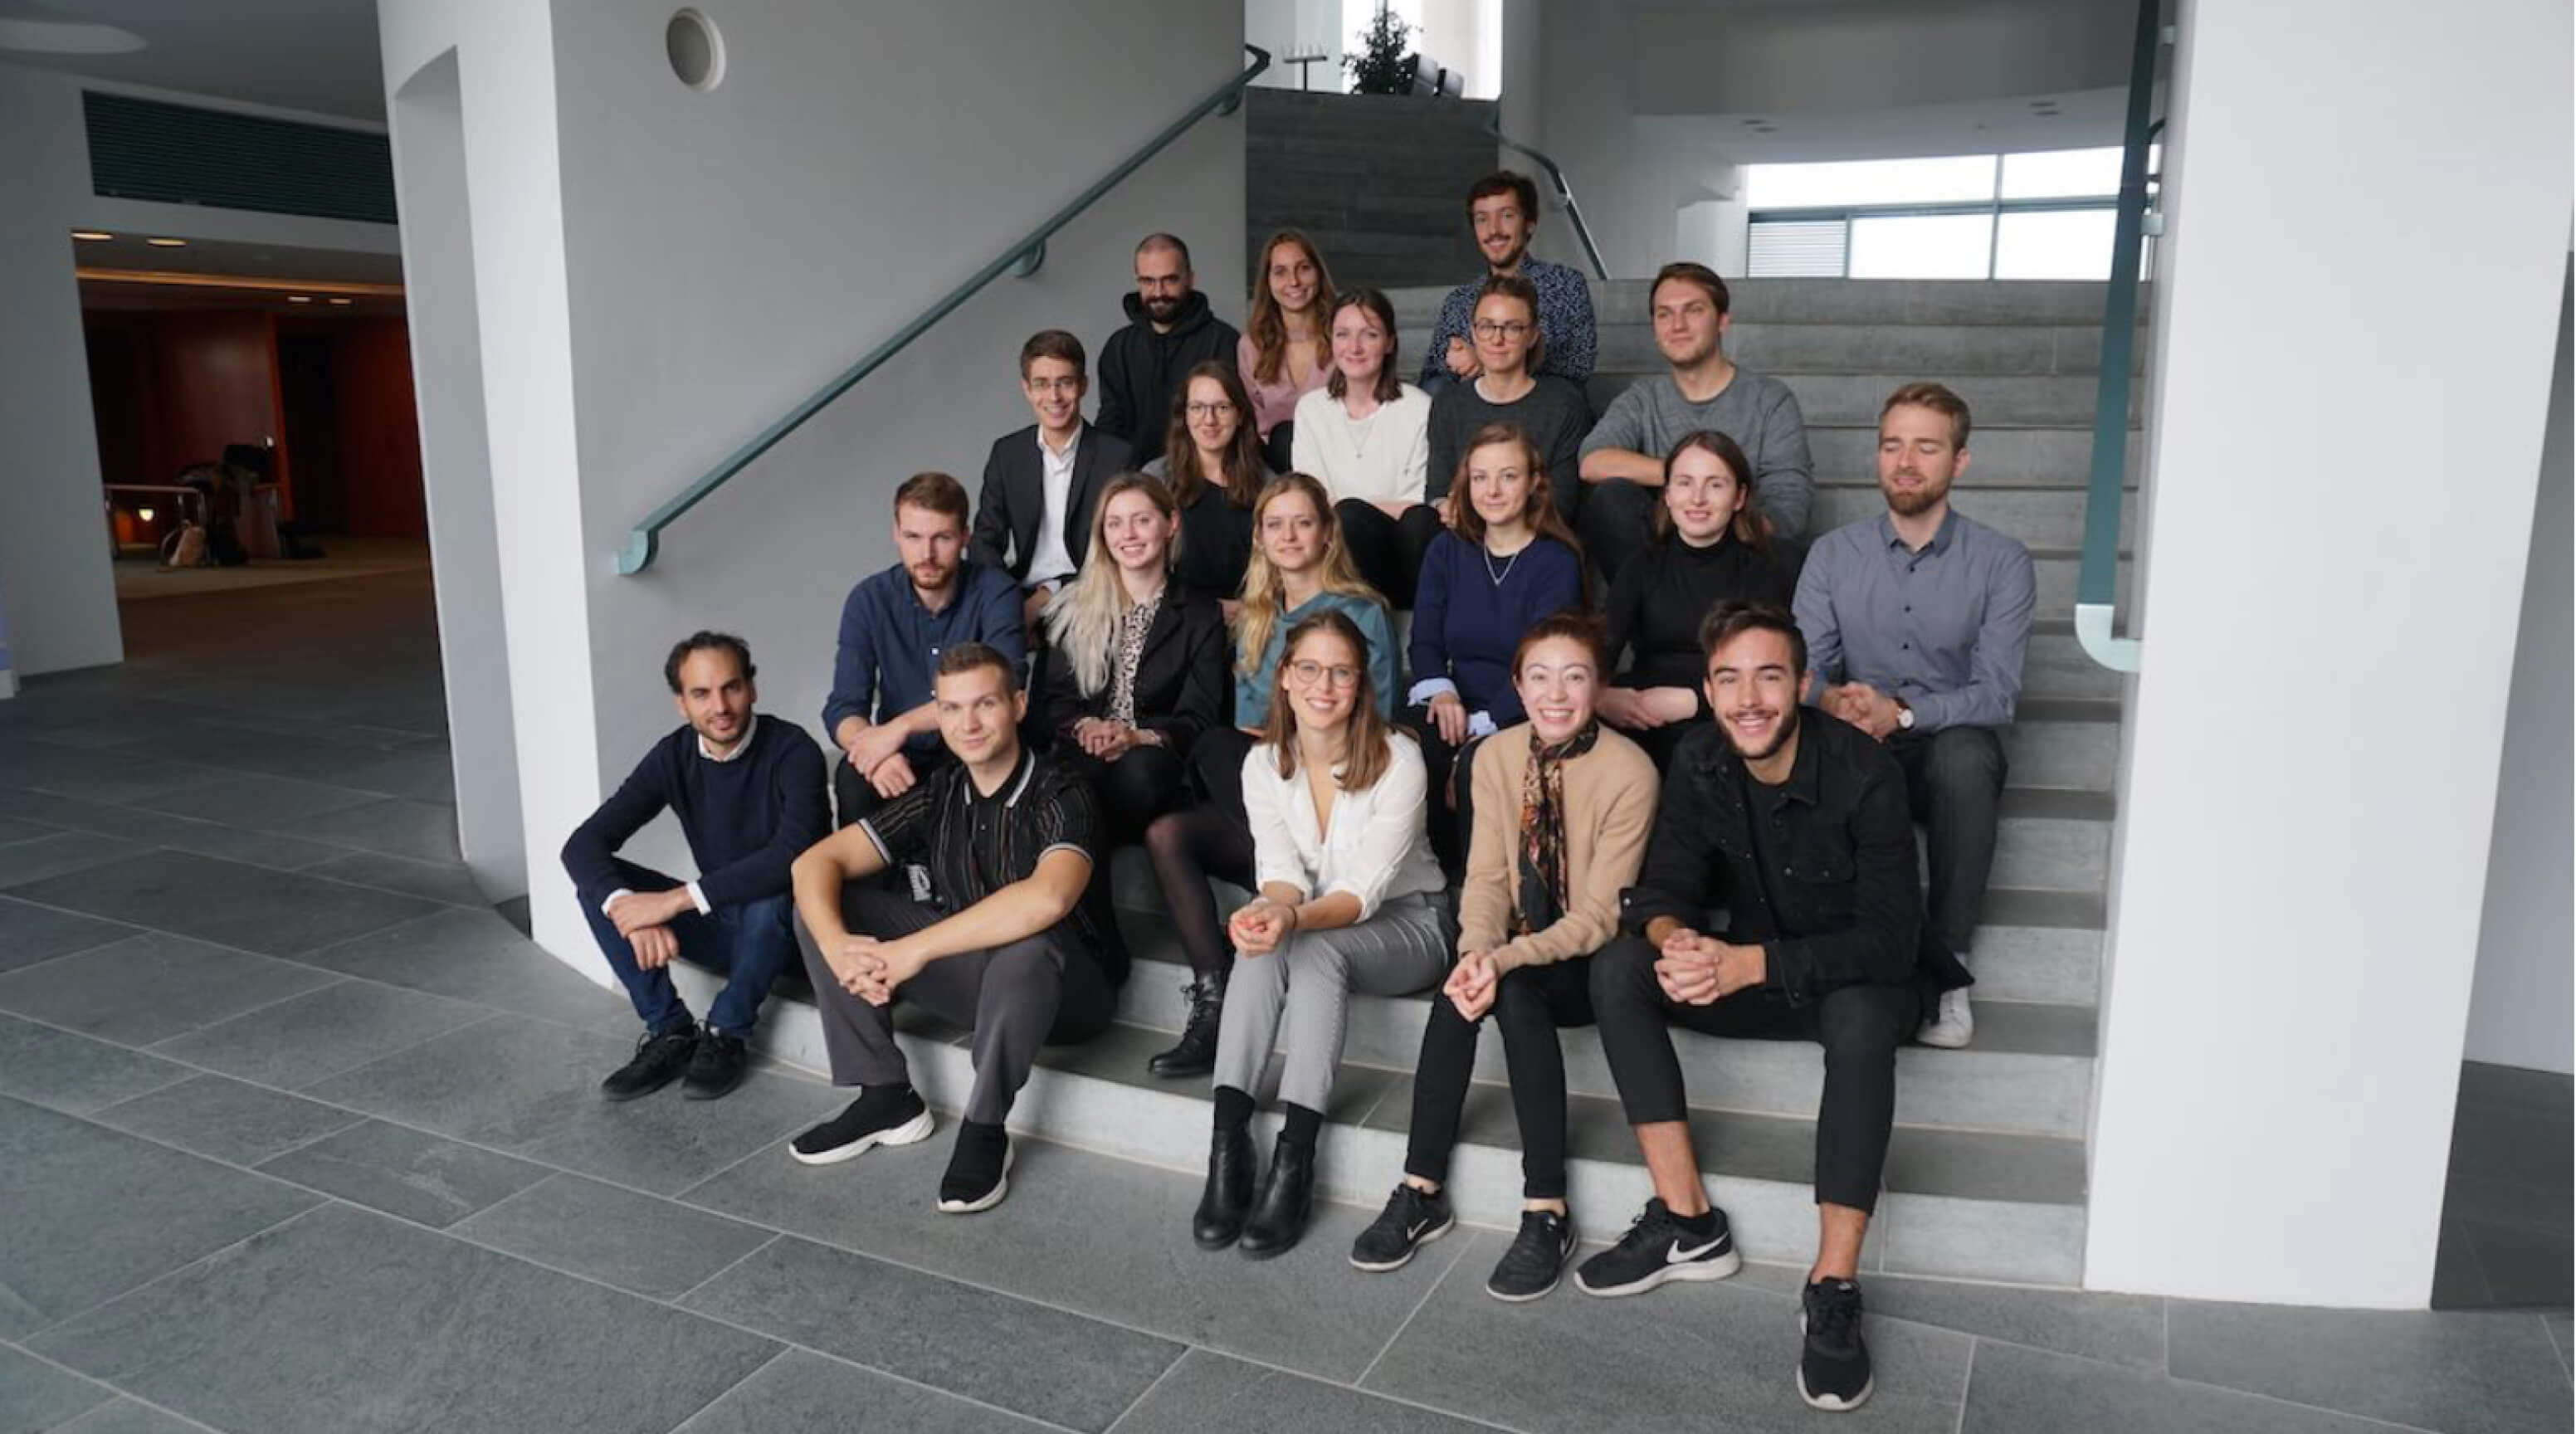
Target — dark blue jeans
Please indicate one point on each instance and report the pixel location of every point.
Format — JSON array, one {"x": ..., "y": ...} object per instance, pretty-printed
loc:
[{"x": 748, "y": 944}]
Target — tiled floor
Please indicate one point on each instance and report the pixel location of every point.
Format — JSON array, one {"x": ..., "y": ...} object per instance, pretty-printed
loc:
[
  {"x": 2510, "y": 1204},
  {"x": 296, "y": 1136}
]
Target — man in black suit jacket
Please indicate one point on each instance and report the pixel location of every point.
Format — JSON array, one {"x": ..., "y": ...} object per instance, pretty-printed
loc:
[{"x": 1034, "y": 519}]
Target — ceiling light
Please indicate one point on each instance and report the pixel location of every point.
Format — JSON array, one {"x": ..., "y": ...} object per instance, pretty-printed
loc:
[
  {"x": 167, "y": 243},
  {"x": 92, "y": 235},
  {"x": 299, "y": 298},
  {"x": 343, "y": 302}
]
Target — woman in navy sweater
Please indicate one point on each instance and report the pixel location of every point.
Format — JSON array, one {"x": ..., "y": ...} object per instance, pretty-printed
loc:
[{"x": 1505, "y": 561}]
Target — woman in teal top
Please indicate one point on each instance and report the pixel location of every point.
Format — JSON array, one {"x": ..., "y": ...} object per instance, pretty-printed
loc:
[{"x": 1299, "y": 566}]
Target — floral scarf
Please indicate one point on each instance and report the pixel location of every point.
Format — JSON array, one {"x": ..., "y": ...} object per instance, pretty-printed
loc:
[{"x": 1542, "y": 845}]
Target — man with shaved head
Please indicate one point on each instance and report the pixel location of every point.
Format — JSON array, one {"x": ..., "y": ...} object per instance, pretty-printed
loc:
[{"x": 1169, "y": 330}]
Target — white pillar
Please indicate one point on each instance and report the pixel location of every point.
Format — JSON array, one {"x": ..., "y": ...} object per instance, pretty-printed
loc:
[{"x": 2356, "y": 322}]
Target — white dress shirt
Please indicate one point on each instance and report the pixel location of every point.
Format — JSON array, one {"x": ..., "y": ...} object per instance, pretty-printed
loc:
[
  {"x": 1376, "y": 847},
  {"x": 1048, "y": 560}
]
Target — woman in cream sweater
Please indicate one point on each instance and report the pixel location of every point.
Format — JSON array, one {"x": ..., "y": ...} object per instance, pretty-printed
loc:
[{"x": 1562, "y": 808}]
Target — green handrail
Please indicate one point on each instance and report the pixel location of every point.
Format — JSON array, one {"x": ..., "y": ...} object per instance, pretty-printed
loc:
[
  {"x": 2097, "y": 580},
  {"x": 1564, "y": 193},
  {"x": 1022, "y": 259}
]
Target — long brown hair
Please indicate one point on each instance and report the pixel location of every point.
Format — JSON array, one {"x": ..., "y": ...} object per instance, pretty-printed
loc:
[
  {"x": 1366, "y": 755},
  {"x": 1538, "y": 509},
  {"x": 1388, "y": 387},
  {"x": 1751, "y": 526},
  {"x": 1265, "y": 594},
  {"x": 1267, "y": 328},
  {"x": 1241, "y": 480}
]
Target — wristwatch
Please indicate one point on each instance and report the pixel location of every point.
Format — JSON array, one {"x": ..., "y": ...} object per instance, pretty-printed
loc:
[{"x": 1904, "y": 716}]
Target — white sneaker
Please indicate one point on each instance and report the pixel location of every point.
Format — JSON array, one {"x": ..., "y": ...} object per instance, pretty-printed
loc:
[{"x": 1954, "y": 1027}]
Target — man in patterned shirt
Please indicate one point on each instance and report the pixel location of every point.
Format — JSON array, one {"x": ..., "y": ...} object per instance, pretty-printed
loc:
[{"x": 1504, "y": 208}]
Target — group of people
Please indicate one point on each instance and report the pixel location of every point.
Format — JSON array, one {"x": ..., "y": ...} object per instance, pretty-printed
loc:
[{"x": 1645, "y": 760}]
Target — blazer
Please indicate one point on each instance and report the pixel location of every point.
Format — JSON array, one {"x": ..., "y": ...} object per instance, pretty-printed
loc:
[
  {"x": 1014, "y": 497},
  {"x": 1183, "y": 686}
]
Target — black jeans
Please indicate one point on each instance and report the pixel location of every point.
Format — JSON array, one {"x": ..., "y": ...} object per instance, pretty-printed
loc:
[
  {"x": 1860, "y": 1028},
  {"x": 1451, "y": 825},
  {"x": 853, "y": 798},
  {"x": 1954, "y": 779},
  {"x": 1388, "y": 551},
  {"x": 1531, "y": 1005}
]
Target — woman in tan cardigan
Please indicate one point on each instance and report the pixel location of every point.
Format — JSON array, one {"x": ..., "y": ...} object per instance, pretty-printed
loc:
[{"x": 1562, "y": 808}]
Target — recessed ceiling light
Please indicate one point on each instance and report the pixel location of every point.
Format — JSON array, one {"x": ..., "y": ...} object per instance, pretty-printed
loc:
[
  {"x": 167, "y": 243},
  {"x": 343, "y": 302},
  {"x": 299, "y": 298},
  {"x": 92, "y": 235}
]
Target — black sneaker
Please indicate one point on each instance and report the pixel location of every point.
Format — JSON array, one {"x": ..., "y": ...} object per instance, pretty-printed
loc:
[
  {"x": 979, "y": 1170},
  {"x": 882, "y": 1115},
  {"x": 1834, "y": 1372},
  {"x": 1412, "y": 1219},
  {"x": 718, "y": 1066},
  {"x": 1662, "y": 1246},
  {"x": 660, "y": 1058},
  {"x": 1537, "y": 1257}
]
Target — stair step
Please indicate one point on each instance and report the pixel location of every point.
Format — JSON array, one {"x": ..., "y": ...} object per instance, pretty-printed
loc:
[
  {"x": 2037, "y": 517},
  {"x": 1997, "y": 401},
  {"x": 1863, "y": 348},
  {"x": 2000, "y": 457},
  {"x": 1855, "y": 301}
]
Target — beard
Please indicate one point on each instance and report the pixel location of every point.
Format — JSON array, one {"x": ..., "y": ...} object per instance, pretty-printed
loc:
[
  {"x": 1164, "y": 308},
  {"x": 1780, "y": 737},
  {"x": 1905, "y": 505}
]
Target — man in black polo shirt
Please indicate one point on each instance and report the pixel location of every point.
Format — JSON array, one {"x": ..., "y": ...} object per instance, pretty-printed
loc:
[
  {"x": 988, "y": 931},
  {"x": 748, "y": 791},
  {"x": 1798, "y": 825}
]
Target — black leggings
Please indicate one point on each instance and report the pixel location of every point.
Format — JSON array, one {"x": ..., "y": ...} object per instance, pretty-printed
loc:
[
  {"x": 1211, "y": 839},
  {"x": 1132, "y": 792},
  {"x": 1860, "y": 1028},
  {"x": 1388, "y": 551},
  {"x": 1531, "y": 1005}
]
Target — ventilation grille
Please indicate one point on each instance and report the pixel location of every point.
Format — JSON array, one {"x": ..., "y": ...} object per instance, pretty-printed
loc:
[{"x": 179, "y": 154}]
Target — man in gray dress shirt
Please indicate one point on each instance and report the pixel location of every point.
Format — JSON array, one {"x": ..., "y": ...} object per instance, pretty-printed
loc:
[{"x": 1916, "y": 621}]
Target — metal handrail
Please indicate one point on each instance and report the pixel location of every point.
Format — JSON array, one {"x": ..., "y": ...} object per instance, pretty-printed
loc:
[
  {"x": 2097, "y": 580},
  {"x": 1021, "y": 259},
  {"x": 1564, "y": 193}
]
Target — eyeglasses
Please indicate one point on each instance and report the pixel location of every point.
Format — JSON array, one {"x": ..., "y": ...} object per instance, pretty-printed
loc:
[
  {"x": 1308, "y": 673},
  {"x": 1210, "y": 410},
  {"x": 1488, "y": 329}
]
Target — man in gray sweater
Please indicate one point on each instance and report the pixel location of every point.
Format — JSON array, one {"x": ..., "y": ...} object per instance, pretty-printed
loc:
[{"x": 1623, "y": 459}]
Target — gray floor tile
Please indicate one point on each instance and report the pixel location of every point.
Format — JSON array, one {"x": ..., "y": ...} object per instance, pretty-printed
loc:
[
  {"x": 1210, "y": 1391},
  {"x": 151, "y": 987},
  {"x": 2120, "y": 1329},
  {"x": 2028, "y": 1391},
  {"x": 225, "y": 1119},
  {"x": 532, "y": 1088},
  {"x": 58, "y": 1256},
  {"x": 1042, "y": 1362},
  {"x": 2459, "y": 1373},
  {"x": 1108, "y": 1236},
  {"x": 451, "y": 883},
  {"x": 657, "y": 1248},
  {"x": 402, "y": 1172},
  {"x": 398, "y": 825},
  {"x": 128, "y": 1417},
  {"x": 74, "y": 1073},
  {"x": 1711, "y": 1355},
  {"x": 347, "y": 1322},
  {"x": 803, "y": 1393},
  {"x": 474, "y": 955},
  {"x": 97, "y": 776},
  {"x": 155, "y": 829},
  {"x": 35, "y": 1396},
  {"x": 426, "y": 775},
  {"x": 228, "y": 902},
  {"x": 321, "y": 1033},
  {"x": 29, "y": 863},
  {"x": 262, "y": 801},
  {"x": 12, "y": 830},
  {"x": 29, "y": 934},
  {"x": 2562, "y": 1330}
]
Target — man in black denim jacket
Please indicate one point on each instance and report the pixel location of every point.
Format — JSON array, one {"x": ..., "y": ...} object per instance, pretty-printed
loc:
[{"x": 1797, "y": 824}]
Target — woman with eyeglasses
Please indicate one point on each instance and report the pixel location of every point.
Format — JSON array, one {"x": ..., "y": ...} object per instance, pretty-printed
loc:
[
  {"x": 1284, "y": 355},
  {"x": 1711, "y": 545},
  {"x": 1212, "y": 463},
  {"x": 1350, "y": 899},
  {"x": 1563, "y": 805},
  {"x": 1299, "y": 569},
  {"x": 1365, "y": 434},
  {"x": 1551, "y": 410},
  {"x": 1506, "y": 561}
]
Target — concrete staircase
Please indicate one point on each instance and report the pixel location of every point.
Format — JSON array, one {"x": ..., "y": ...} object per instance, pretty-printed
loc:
[
  {"x": 1986, "y": 1174},
  {"x": 1379, "y": 182}
]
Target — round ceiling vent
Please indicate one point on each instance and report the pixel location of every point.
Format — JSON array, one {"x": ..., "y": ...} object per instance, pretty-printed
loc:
[{"x": 696, "y": 49}]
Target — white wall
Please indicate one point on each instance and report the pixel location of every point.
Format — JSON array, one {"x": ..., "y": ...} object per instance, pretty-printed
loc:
[
  {"x": 2314, "y": 745},
  {"x": 2519, "y": 1008},
  {"x": 1289, "y": 27}
]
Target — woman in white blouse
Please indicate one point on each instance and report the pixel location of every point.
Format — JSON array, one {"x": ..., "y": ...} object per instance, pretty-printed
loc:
[
  {"x": 1366, "y": 435},
  {"x": 1350, "y": 900}
]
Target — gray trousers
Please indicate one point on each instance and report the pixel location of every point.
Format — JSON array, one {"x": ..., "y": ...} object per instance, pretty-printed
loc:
[
  {"x": 1016, "y": 998},
  {"x": 1309, "y": 979}
]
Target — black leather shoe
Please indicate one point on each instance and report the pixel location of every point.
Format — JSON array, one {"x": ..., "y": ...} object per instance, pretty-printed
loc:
[
  {"x": 1287, "y": 1199},
  {"x": 1229, "y": 1189},
  {"x": 1196, "y": 1053},
  {"x": 659, "y": 1060},
  {"x": 717, "y": 1067}
]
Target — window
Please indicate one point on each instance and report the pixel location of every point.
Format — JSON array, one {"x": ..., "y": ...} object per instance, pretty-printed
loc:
[
  {"x": 2055, "y": 244},
  {"x": 1922, "y": 246},
  {"x": 1969, "y": 177},
  {"x": 2047, "y": 214}
]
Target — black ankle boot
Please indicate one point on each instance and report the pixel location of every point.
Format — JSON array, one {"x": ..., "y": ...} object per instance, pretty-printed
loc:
[
  {"x": 1287, "y": 1198},
  {"x": 1196, "y": 1053},
  {"x": 1229, "y": 1189}
]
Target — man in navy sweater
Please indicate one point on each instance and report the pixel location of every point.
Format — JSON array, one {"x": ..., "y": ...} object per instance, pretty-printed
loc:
[{"x": 749, "y": 796}]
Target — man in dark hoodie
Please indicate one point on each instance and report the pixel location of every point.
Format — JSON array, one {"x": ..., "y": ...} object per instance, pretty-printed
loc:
[{"x": 1169, "y": 328}]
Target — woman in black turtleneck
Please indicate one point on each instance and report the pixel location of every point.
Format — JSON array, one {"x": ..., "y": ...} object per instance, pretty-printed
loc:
[{"x": 1711, "y": 545}]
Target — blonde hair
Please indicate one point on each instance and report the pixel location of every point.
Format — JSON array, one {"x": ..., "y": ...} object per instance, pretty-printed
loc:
[
  {"x": 1265, "y": 592},
  {"x": 1082, "y": 619}
]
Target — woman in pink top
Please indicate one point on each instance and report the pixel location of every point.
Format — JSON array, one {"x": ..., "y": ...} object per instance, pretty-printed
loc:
[{"x": 1283, "y": 353}]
